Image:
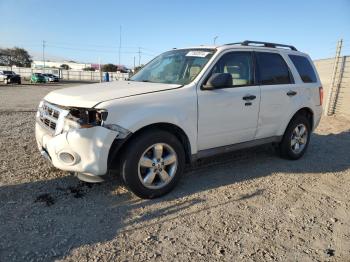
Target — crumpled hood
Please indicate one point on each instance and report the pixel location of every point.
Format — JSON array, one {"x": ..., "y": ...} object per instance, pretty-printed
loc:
[{"x": 90, "y": 95}]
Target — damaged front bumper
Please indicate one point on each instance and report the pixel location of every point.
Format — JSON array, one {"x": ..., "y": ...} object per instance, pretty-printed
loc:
[{"x": 82, "y": 151}]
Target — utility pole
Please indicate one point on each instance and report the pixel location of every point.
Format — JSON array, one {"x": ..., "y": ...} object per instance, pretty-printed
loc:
[
  {"x": 215, "y": 39},
  {"x": 120, "y": 42},
  {"x": 134, "y": 62},
  {"x": 139, "y": 56},
  {"x": 44, "y": 55},
  {"x": 332, "y": 92},
  {"x": 99, "y": 68}
]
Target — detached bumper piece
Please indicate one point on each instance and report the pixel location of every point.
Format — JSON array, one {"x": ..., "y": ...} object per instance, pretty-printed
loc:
[{"x": 89, "y": 178}]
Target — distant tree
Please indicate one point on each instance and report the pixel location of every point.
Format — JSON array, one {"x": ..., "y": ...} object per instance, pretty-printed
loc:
[
  {"x": 65, "y": 66},
  {"x": 15, "y": 57},
  {"x": 89, "y": 69},
  {"x": 109, "y": 68},
  {"x": 4, "y": 57},
  {"x": 122, "y": 68},
  {"x": 138, "y": 68}
]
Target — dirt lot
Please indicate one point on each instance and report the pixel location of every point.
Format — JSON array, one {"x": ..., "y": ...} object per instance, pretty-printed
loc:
[
  {"x": 26, "y": 97},
  {"x": 250, "y": 205}
]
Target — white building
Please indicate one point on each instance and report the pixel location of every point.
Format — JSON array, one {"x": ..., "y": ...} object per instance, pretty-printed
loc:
[{"x": 57, "y": 64}]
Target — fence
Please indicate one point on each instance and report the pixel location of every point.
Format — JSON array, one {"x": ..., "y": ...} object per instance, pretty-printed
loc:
[
  {"x": 67, "y": 74},
  {"x": 339, "y": 97}
]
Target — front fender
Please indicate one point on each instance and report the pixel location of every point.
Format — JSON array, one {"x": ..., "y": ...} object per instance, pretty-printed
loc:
[{"x": 177, "y": 107}]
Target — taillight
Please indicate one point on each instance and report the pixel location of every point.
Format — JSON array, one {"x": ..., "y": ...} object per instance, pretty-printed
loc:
[{"x": 320, "y": 89}]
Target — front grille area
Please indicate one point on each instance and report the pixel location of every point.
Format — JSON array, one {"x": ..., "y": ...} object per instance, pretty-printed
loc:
[
  {"x": 53, "y": 112},
  {"x": 49, "y": 123},
  {"x": 49, "y": 115}
]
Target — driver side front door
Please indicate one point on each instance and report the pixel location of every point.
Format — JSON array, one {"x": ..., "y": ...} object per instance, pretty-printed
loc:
[{"x": 229, "y": 115}]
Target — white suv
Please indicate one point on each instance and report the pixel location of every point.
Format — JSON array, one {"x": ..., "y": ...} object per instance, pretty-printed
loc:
[{"x": 184, "y": 105}]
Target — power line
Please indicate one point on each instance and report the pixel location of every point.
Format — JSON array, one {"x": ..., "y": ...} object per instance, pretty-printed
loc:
[
  {"x": 92, "y": 47},
  {"x": 85, "y": 44},
  {"x": 99, "y": 50},
  {"x": 74, "y": 45},
  {"x": 82, "y": 49}
]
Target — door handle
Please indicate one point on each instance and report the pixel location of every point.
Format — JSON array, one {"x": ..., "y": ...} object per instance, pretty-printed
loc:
[
  {"x": 291, "y": 93},
  {"x": 249, "y": 97}
]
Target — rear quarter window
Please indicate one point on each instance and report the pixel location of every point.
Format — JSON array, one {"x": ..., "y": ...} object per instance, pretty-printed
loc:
[{"x": 304, "y": 68}]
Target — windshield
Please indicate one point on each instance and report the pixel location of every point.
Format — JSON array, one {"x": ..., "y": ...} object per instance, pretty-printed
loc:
[
  {"x": 175, "y": 67},
  {"x": 8, "y": 73}
]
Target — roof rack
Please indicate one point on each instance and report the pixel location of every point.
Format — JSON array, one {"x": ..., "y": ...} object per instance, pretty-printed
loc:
[{"x": 265, "y": 44}]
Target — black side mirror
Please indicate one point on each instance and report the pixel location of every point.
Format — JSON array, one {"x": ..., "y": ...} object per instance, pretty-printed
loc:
[{"x": 218, "y": 80}]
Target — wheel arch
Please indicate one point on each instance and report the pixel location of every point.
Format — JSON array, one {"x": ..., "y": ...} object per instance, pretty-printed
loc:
[
  {"x": 285, "y": 146},
  {"x": 306, "y": 111},
  {"x": 118, "y": 146}
]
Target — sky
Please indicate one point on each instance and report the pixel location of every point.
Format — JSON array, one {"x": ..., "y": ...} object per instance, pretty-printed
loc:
[{"x": 89, "y": 31}]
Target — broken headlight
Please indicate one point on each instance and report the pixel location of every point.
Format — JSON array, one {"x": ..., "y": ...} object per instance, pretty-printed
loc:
[
  {"x": 84, "y": 118},
  {"x": 78, "y": 118}
]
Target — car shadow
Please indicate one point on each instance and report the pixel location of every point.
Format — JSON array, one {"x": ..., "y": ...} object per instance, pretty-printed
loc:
[{"x": 46, "y": 219}]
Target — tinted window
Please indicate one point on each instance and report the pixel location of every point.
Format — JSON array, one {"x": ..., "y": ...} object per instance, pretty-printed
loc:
[
  {"x": 239, "y": 65},
  {"x": 304, "y": 68},
  {"x": 272, "y": 69}
]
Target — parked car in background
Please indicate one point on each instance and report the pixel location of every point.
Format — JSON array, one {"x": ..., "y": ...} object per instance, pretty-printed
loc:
[
  {"x": 37, "y": 78},
  {"x": 51, "y": 78},
  {"x": 10, "y": 77}
]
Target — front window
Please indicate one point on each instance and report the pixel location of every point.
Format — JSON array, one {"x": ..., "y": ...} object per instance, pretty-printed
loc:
[
  {"x": 239, "y": 65},
  {"x": 175, "y": 67}
]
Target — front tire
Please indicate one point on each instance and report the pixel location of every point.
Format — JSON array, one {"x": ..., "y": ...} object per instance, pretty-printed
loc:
[
  {"x": 153, "y": 164},
  {"x": 296, "y": 138}
]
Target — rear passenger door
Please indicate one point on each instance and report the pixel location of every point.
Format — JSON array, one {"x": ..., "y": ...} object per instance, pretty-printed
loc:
[{"x": 279, "y": 95}]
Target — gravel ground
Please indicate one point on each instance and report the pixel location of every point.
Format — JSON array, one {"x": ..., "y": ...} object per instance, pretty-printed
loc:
[
  {"x": 249, "y": 205},
  {"x": 26, "y": 97}
]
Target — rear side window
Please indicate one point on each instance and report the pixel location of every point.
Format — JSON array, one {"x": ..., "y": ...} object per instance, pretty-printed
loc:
[
  {"x": 304, "y": 67},
  {"x": 272, "y": 69}
]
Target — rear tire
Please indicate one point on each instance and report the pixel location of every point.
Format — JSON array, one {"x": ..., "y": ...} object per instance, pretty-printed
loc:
[
  {"x": 152, "y": 164},
  {"x": 296, "y": 138}
]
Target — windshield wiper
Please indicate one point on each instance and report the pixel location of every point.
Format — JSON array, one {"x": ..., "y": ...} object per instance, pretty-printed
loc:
[{"x": 144, "y": 80}]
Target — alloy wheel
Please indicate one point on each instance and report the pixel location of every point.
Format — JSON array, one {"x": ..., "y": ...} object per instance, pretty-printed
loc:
[
  {"x": 299, "y": 138},
  {"x": 157, "y": 166}
]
